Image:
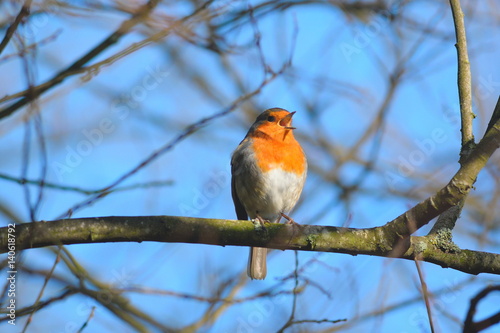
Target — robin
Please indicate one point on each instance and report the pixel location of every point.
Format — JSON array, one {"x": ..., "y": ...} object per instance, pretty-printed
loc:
[{"x": 268, "y": 173}]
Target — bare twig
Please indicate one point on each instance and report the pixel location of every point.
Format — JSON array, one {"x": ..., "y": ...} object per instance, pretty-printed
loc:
[
  {"x": 448, "y": 219},
  {"x": 425, "y": 294},
  {"x": 291, "y": 319},
  {"x": 473, "y": 327},
  {"x": 318, "y": 321},
  {"x": 76, "y": 67},
  {"x": 231, "y": 300},
  {"x": 464, "y": 79},
  {"x": 61, "y": 187},
  {"x": 28, "y": 48},
  {"x": 296, "y": 291},
  {"x": 147, "y": 41},
  {"x": 40, "y": 305},
  {"x": 91, "y": 315},
  {"x": 384, "y": 311},
  {"x": 24, "y": 12},
  {"x": 258, "y": 38},
  {"x": 216, "y": 309},
  {"x": 35, "y": 117},
  {"x": 35, "y": 305},
  {"x": 107, "y": 297}
]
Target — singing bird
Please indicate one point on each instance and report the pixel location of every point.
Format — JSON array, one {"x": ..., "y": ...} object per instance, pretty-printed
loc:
[{"x": 268, "y": 171}]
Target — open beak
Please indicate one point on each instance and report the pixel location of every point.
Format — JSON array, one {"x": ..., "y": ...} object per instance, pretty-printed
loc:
[{"x": 287, "y": 121}]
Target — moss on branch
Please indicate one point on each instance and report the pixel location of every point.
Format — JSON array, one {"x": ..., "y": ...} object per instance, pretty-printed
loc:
[{"x": 177, "y": 229}]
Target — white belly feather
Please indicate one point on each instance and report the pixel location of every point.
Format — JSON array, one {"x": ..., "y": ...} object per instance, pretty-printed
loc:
[{"x": 281, "y": 191}]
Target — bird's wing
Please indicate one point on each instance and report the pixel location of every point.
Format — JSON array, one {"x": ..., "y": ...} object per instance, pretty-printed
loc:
[{"x": 241, "y": 213}]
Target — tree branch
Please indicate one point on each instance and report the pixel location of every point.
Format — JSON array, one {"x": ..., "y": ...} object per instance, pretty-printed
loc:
[
  {"x": 447, "y": 219},
  {"x": 24, "y": 12},
  {"x": 472, "y": 327},
  {"x": 464, "y": 79},
  {"x": 391, "y": 239},
  {"x": 239, "y": 233},
  {"x": 450, "y": 195},
  {"x": 494, "y": 117}
]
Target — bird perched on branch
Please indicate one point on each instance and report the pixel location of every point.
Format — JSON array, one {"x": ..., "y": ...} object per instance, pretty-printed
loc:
[{"x": 268, "y": 173}]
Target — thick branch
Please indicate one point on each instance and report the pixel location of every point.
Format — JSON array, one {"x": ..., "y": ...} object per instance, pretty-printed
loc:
[
  {"x": 391, "y": 239},
  {"x": 450, "y": 195},
  {"x": 240, "y": 233}
]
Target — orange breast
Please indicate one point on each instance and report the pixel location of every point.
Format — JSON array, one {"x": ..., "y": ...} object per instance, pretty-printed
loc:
[{"x": 285, "y": 154}]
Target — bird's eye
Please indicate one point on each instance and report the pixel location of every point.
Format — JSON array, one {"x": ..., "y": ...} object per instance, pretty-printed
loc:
[{"x": 271, "y": 118}]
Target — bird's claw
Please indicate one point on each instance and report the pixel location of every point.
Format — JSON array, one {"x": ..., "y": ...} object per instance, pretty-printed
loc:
[
  {"x": 259, "y": 222},
  {"x": 289, "y": 220}
]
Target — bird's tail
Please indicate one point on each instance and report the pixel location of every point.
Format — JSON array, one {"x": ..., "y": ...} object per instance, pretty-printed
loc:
[{"x": 257, "y": 267}]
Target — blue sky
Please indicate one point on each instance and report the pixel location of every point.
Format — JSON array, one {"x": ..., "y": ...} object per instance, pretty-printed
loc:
[{"x": 101, "y": 128}]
